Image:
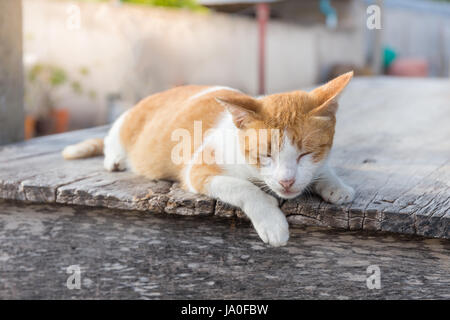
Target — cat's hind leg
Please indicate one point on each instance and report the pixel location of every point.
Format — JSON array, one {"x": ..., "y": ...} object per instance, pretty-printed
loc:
[{"x": 115, "y": 153}]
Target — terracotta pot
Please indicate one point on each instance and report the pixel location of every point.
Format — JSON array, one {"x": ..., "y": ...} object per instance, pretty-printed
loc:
[
  {"x": 56, "y": 122},
  {"x": 60, "y": 120},
  {"x": 30, "y": 127},
  {"x": 409, "y": 67}
]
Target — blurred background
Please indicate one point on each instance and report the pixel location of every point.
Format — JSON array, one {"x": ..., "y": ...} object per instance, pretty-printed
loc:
[{"x": 85, "y": 62}]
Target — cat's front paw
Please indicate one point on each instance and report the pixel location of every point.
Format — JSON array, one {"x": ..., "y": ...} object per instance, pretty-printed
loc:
[
  {"x": 273, "y": 229},
  {"x": 336, "y": 194}
]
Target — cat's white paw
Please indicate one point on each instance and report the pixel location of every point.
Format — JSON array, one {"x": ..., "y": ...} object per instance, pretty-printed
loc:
[
  {"x": 273, "y": 229},
  {"x": 114, "y": 164},
  {"x": 336, "y": 193}
]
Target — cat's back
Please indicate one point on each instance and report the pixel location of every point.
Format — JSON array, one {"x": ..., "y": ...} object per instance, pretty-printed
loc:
[
  {"x": 146, "y": 132},
  {"x": 165, "y": 102},
  {"x": 179, "y": 107},
  {"x": 155, "y": 110},
  {"x": 190, "y": 99}
]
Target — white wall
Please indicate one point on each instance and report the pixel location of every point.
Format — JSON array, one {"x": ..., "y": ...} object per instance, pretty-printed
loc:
[{"x": 136, "y": 51}]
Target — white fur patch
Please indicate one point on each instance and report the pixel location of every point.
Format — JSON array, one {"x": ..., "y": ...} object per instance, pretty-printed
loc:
[
  {"x": 286, "y": 166},
  {"x": 226, "y": 143},
  {"x": 115, "y": 154},
  {"x": 187, "y": 170}
]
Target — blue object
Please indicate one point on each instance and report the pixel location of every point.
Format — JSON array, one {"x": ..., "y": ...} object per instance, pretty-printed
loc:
[{"x": 330, "y": 14}]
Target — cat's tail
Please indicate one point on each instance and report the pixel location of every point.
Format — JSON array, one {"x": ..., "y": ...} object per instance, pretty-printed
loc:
[{"x": 85, "y": 149}]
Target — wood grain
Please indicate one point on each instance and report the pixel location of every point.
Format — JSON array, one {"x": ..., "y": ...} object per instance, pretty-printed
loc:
[{"x": 392, "y": 144}]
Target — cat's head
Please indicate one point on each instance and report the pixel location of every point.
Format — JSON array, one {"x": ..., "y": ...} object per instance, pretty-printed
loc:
[{"x": 293, "y": 132}]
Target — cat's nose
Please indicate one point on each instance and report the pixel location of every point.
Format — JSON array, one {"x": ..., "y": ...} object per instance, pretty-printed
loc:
[{"x": 286, "y": 183}]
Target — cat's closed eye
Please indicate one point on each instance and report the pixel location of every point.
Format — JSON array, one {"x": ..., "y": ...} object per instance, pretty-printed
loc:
[{"x": 302, "y": 155}]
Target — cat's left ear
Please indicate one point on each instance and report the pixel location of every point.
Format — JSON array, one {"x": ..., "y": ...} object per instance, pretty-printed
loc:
[
  {"x": 326, "y": 95},
  {"x": 242, "y": 109}
]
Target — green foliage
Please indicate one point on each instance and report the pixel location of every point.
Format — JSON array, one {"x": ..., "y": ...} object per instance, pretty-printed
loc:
[
  {"x": 76, "y": 87},
  {"x": 92, "y": 94},
  {"x": 185, "y": 4},
  {"x": 58, "y": 77},
  {"x": 48, "y": 77},
  {"x": 34, "y": 72},
  {"x": 84, "y": 71},
  {"x": 54, "y": 75}
]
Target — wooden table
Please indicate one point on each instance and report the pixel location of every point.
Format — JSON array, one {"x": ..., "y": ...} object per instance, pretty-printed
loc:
[{"x": 392, "y": 144}]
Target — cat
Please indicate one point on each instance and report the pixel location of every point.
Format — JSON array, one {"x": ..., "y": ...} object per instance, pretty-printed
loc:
[{"x": 146, "y": 140}]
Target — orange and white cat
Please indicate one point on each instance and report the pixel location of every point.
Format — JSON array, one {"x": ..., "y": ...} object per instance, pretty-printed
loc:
[{"x": 146, "y": 140}]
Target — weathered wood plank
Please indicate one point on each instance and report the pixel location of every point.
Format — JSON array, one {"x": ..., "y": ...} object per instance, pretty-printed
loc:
[
  {"x": 142, "y": 256},
  {"x": 392, "y": 144},
  {"x": 37, "y": 178},
  {"x": 120, "y": 190},
  {"x": 48, "y": 144}
]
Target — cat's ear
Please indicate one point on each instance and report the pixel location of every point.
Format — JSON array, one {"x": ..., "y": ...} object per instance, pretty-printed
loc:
[
  {"x": 326, "y": 95},
  {"x": 242, "y": 109}
]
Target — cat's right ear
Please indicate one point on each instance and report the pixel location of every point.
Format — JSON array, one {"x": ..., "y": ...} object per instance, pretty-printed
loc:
[
  {"x": 326, "y": 95},
  {"x": 242, "y": 109}
]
